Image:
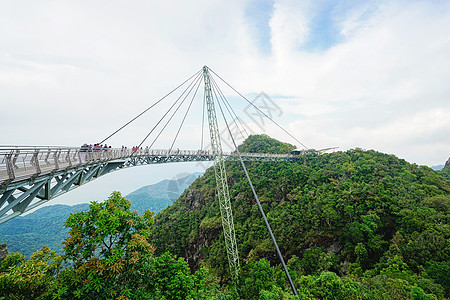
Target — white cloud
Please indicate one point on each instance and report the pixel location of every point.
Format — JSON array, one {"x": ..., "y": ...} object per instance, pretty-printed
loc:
[
  {"x": 405, "y": 130},
  {"x": 289, "y": 28},
  {"x": 72, "y": 72},
  {"x": 394, "y": 66},
  {"x": 422, "y": 134},
  {"x": 313, "y": 135}
]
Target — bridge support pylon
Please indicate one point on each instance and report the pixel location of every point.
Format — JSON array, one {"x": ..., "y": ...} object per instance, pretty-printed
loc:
[{"x": 221, "y": 180}]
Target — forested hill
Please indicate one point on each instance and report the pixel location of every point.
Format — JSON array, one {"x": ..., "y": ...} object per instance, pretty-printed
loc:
[
  {"x": 369, "y": 217},
  {"x": 45, "y": 226}
]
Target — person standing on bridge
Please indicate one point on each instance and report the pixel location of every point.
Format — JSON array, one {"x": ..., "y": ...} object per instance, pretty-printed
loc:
[
  {"x": 89, "y": 154},
  {"x": 108, "y": 151},
  {"x": 83, "y": 150}
]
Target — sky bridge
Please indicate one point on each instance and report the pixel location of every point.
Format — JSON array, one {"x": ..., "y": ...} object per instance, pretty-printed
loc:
[{"x": 31, "y": 176}]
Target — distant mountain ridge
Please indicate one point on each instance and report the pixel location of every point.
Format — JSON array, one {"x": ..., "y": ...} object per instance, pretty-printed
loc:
[
  {"x": 437, "y": 167},
  {"x": 156, "y": 197},
  {"x": 26, "y": 234}
]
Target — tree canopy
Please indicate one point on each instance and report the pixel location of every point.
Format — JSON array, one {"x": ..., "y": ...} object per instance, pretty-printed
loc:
[
  {"x": 106, "y": 256},
  {"x": 351, "y": 213},
  {"x": 262, "y": 143},
  {"x": 351, "y": 225}
]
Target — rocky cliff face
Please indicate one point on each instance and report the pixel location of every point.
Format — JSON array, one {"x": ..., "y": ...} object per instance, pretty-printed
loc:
[
  {"x": 200, "y": 226},
  {"x": 200, "y": 240},
  {"x": 3, "y": 251},
  {"x": 446, "y": 170}
]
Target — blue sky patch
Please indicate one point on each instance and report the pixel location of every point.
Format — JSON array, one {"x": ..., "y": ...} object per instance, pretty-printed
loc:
[
  {"x": 258, "y": 14},
  {"x": 323, "y": 32}
]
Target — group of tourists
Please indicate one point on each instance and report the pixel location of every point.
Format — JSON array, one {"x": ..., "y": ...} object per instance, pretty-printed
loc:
[
  {"x": 90, "y": 152},
  {"x": 93, "y": 152},
  {"x": 95, "y": 148},
  {"x": 137, "y": 150}
]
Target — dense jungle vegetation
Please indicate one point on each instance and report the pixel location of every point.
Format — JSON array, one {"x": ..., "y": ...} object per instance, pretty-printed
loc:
[
  {"x": 26, "y": 234},
  {"x": 351, "y": 225},
  {"x": 374, "y": 225}
]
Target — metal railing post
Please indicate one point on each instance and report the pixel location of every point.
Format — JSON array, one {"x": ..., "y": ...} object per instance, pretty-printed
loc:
[
  {"x": 9, "y": 166},
  {"x": 68, "y": 158},
  {"x": 35, "y": 160},
  {"x": 56, "y": 158}
]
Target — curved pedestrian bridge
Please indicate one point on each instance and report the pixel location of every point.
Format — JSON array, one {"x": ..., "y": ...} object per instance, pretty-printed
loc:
[{"x": 31, "y": 176}]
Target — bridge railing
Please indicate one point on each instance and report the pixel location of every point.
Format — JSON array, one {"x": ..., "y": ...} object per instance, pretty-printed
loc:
[
  {"x": 18, "y": 163},
  {"x": 24, "y": 162}
]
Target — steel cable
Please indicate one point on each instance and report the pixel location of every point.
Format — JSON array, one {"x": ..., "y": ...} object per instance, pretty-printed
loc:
[
  {"x": 162, "y": 118},
  {"x": 279, "y": 126},
  {"x": 259, "y": 204},
  {"x": 143, "y": 112}
]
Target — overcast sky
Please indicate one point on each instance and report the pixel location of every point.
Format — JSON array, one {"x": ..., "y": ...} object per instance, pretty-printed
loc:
[{"x": 369, "y": 74}]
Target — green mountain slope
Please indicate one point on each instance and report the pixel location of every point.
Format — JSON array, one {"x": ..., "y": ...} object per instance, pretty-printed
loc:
[
  {"x": 45, "y": 226},
  {"x": 359, "y": 213}
]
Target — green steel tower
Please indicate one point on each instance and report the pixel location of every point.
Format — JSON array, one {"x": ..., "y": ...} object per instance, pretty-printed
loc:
[{"x": 221, "y": 180}]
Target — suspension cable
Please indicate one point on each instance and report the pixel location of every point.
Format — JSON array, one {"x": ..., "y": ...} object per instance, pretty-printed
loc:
[
  {"x": 160, "y": 120},
  {"x": 203, "y": 120},
  {"x": 143, "y": 112},
  {"x": 184, "y": 118},
  {"x": 228, "y": 103},
  {"x": 218, "y": 101},
  {"x": 259, "y": 204},
  {"x": 176, "y": 110},
  {"x": 224, "y": 101},
  {"x": 279, "y": 126}
]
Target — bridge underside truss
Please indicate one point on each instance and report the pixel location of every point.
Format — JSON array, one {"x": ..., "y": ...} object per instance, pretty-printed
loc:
[{"x": 30, "y": 180}]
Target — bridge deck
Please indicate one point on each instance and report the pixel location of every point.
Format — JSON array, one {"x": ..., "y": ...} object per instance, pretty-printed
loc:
[
  {"x": 21, "y": 163},
  {"x": 30, "y": 177}
]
